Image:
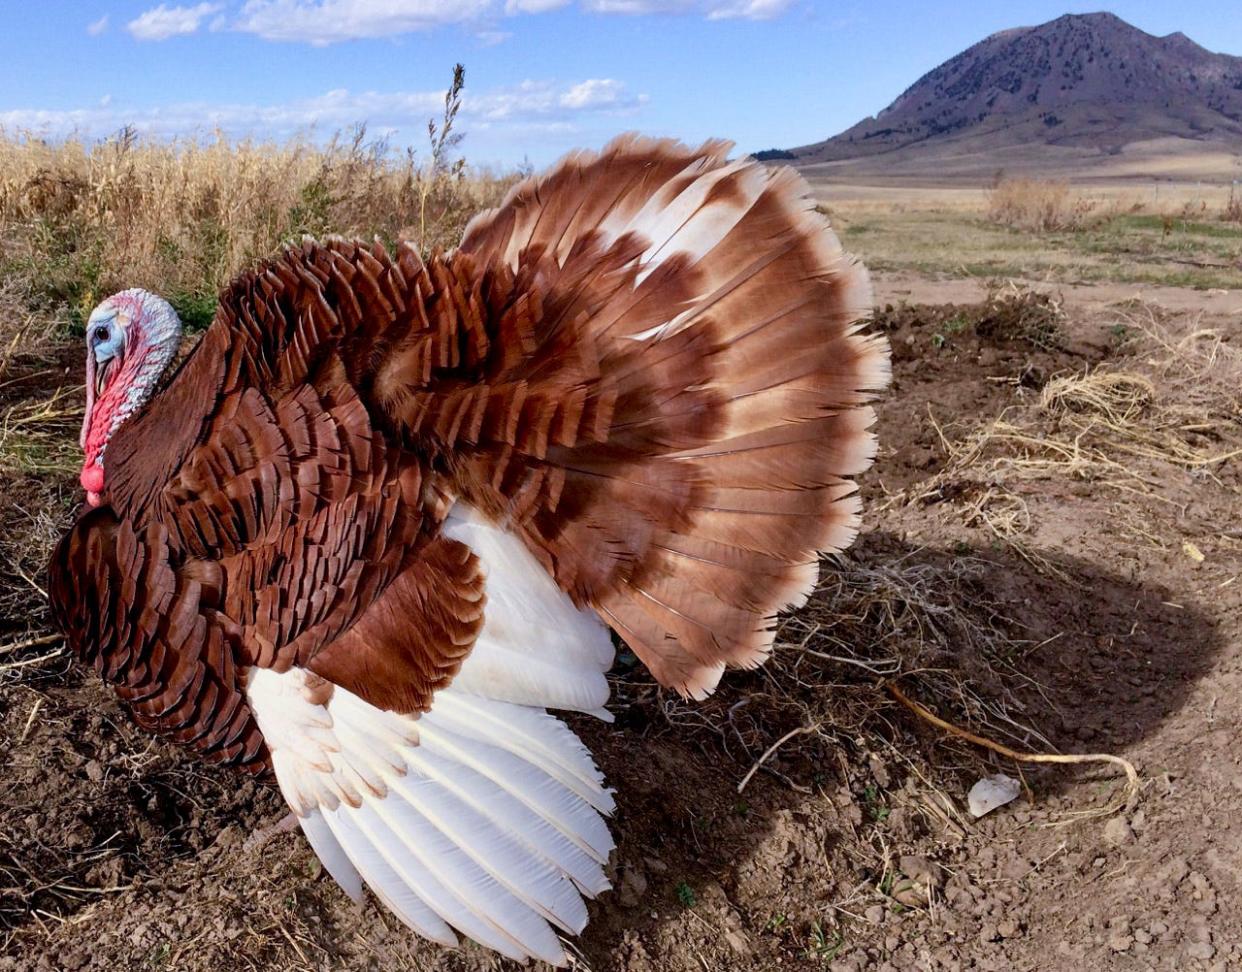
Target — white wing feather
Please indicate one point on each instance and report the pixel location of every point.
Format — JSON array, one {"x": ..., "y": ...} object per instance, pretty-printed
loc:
[{"x": 483, "y": 815}]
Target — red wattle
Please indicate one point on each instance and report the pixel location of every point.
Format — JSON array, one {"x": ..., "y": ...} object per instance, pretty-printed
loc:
[{"x": 92, "y": 478}]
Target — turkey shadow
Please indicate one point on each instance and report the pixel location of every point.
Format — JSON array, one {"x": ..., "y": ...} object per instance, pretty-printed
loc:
[{"x": 1101, "y": 661}]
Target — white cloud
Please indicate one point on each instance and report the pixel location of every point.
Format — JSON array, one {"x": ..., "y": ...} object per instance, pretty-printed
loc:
[
  {"x": 325, "y": 21},
  {"x": 163, "y": 21},
  {"x": 711, "y": 9},
  {"x": 545, "y": 100},
  {"x": 594, "y": 93},
  {"x": 322, "y": 22},
  {"x": 490, "y": 38},
  {"x": 748, "y": 9},
  {"x": 533, "y": 6},
  {"x": 530, "y": 105},
  {"x": 637, "y": 7}
]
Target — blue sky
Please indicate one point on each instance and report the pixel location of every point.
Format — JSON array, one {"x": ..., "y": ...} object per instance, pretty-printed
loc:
[{"x": 543, "y": 76}]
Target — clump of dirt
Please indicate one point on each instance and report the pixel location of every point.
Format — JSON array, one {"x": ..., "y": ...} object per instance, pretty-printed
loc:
[
  {"x": 1007, "y": 315},
  {"x": 801, "y": 818},
  {"x": 959, "y": 360}
]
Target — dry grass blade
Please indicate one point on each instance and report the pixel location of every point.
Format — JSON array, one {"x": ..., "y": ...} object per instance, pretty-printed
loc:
[
  {"x": 1090, "y": 426},
  {"x": 31, "y": 662},
  {"x": 37, "y": 437},
  {"x": 1118, "y": 396}
]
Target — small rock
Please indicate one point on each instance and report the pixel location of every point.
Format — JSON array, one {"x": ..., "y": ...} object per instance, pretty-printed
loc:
[
  {"x": 230, "y": 836},
  {"x": 875, "y": 914},
  {"x": 992, "y": 792},
  {"x": 912, "y": 894},
  {"x": 633, "y": 888},
  {"x": 1119, "y": 937},
  {"x": 1117, "y": 832},
  {"x": 1016, "y": 868},
  {"x": 74, "y": 960},
  {"x": 1175, "y": 871},
  {"x": 94, "y": 771},
  {"x": 1197, "y": 929},
  {"x": 735, "y": 936},
  {"x": 919, "y": 868}
]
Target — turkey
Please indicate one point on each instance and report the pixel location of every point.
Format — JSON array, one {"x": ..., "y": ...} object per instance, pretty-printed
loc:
[{"x": 385, "y": 514}]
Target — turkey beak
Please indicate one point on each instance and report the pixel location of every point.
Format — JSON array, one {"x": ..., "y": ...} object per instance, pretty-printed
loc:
[
  {"x": 101, "y": 375},
  {"x": 90, "y": 399}
]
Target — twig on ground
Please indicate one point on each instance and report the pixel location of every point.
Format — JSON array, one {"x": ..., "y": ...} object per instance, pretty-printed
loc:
[
  {"x": 27, "y": 662},
  {"x": 800, "y": 731},
  {"x": 1132, "y": 777},
  {"x": 29, "y": 643}
]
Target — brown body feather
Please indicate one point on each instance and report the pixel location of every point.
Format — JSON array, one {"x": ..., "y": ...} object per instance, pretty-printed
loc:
[{"x": 668, "y": 420}]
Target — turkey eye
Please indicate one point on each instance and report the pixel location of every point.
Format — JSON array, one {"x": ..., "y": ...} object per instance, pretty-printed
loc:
[{"x": 101, "y": 333}]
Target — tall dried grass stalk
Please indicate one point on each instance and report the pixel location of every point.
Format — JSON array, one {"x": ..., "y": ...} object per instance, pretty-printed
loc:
[
  {"x": 79, "y": 220},
  {"x": 1039, "y": 206},
  {"x": 1232, "y": 211}
]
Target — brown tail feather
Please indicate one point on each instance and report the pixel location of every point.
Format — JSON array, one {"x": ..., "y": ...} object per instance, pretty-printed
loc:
[{"x": 721, "y": 313}]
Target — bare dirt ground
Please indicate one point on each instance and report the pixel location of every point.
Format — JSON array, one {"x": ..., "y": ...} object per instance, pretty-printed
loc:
[{"x": 1052, "y": 565}]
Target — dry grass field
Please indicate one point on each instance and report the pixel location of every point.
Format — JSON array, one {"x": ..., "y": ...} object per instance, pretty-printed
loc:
[
  {"x": 969, "y": 163},
  {"x": 1170, "y": 234},
  {"x": 1049, "y": 565}
]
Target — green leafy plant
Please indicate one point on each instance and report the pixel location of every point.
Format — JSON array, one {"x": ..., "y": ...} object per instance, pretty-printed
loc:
[
  {"x": 821, "y": 946},
  {"x": 876, "y": 807},
  {"x": 196, "y": 310}
]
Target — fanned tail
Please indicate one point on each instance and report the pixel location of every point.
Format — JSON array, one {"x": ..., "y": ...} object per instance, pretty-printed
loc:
[{"x": 710, "y": 311}]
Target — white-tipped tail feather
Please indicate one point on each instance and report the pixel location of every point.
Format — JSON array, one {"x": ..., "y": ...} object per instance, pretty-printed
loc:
[{"x": 483, "y": 815}]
